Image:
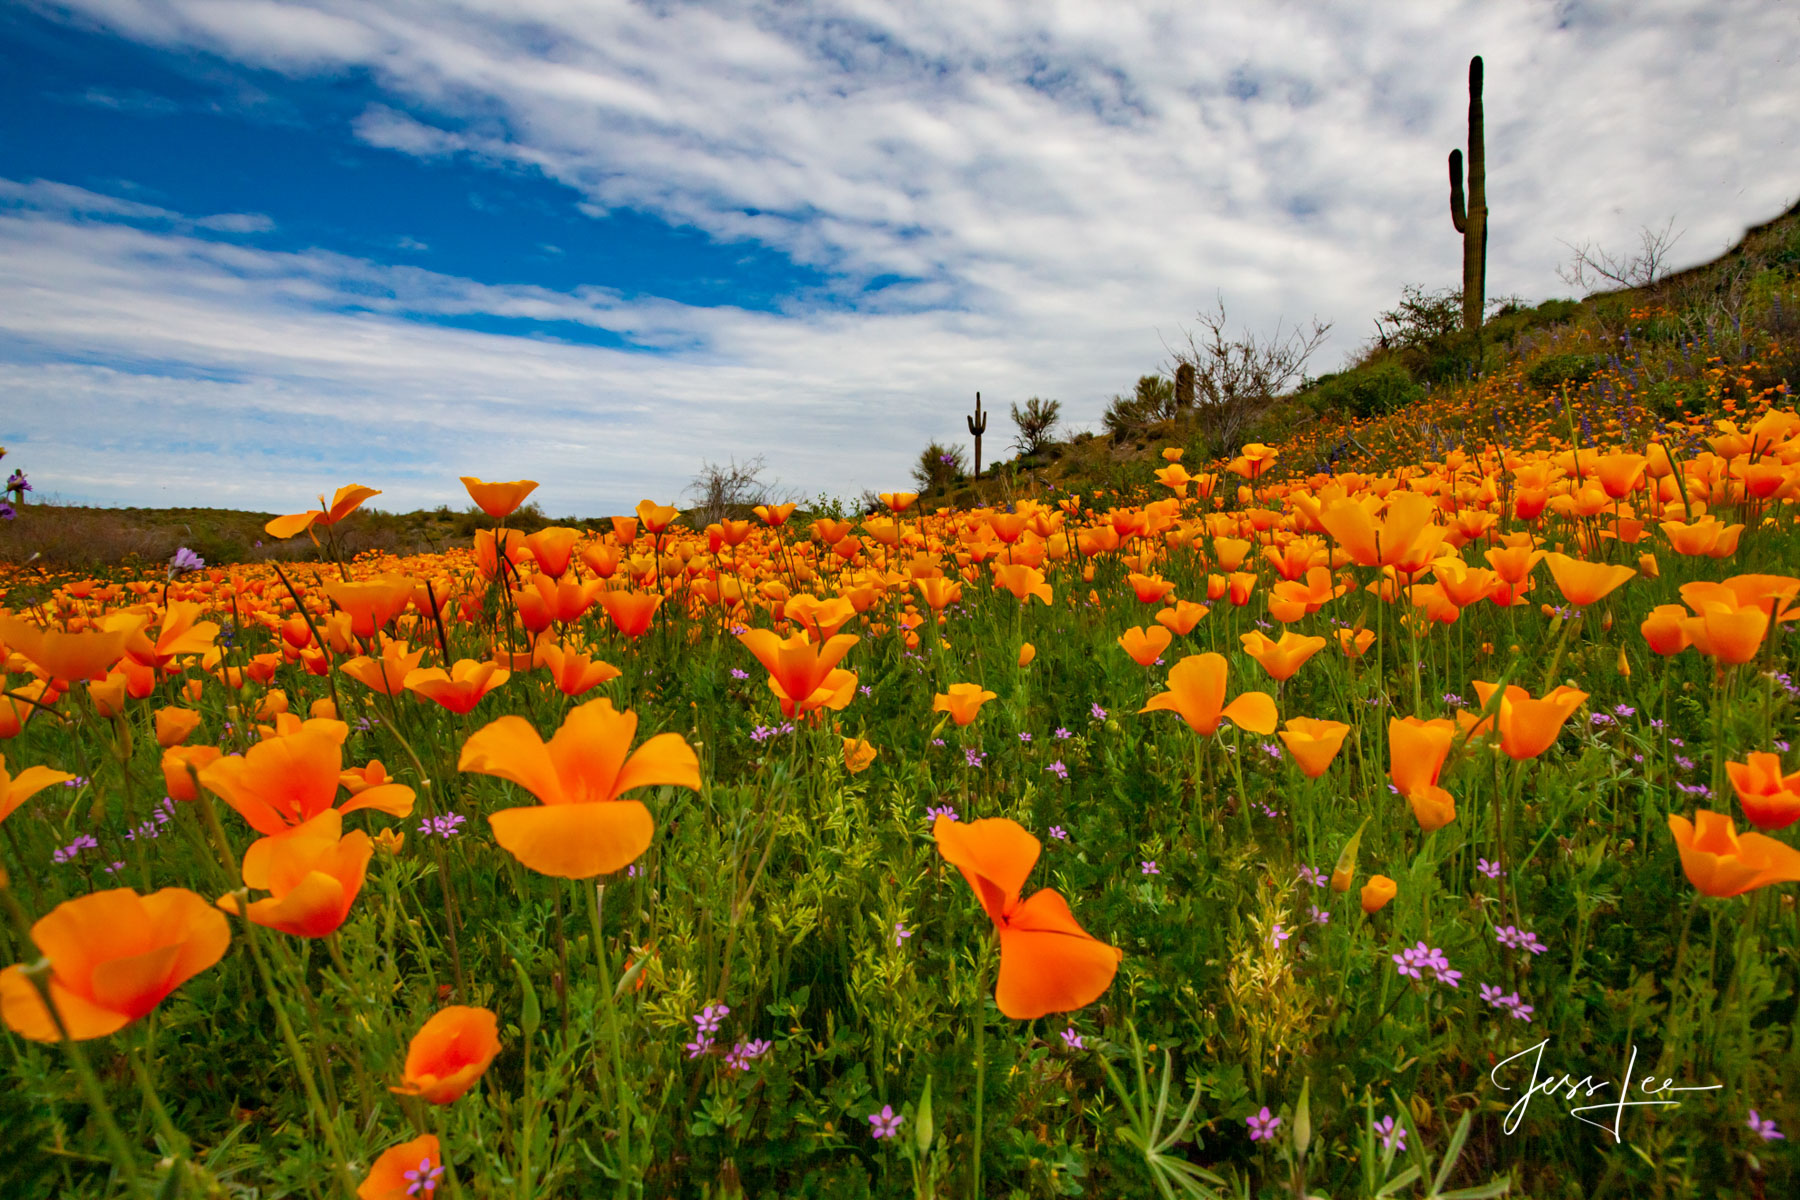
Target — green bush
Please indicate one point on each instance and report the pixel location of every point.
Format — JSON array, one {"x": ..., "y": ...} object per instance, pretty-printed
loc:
[
  {"x": 1369, "y": 392},
  {"x": 1554, "y": 372}
]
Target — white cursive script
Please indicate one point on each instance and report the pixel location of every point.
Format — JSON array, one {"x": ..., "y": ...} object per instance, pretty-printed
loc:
[{"x": 1585, "y": 1088}]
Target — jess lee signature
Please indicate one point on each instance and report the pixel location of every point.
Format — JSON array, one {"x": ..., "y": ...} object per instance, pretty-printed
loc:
[{"x": 1651, "y": 1092}]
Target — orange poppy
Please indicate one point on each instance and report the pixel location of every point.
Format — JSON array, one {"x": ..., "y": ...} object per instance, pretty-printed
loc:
[
  {"x": 1405, "y": 538},
  {"x": 1720, "y": 861},
  {"x": 1027, "y": 652},
  {"x": 552, "y": 547},
  {"x": 449, "y": 1053},
  {"x": 347, "y": 500},
  {"x": 14, "y": 709},
  {"x": 1377, "y": 892},
  {"x": 1313, "y": 743},
  {"x": 898, "y": 502},
  {"x": 1529, "y": 726},
  {"x": 498, "y": 500},
  {"x": 939, "y": 592},
  {"x": 858, "y": 754},
  {"x": 1150, "y": 589},
  {"x": 1666, "y": 629},
  {"x": 313, "y": 874},
  {"x": 287, "y": 780},
  {"x": 631, "y": 612},
  {"x": 1048, "y": 962},
  {"x": 179, "y": 632},
  {"x": 372, "y": 603},
  {"x": 1723, "y": 627},
  {"x": 798, "y": 668},
  {"x": 113, "y": 956},
  {"x": 1182, "y": 616},
  {"x": 1771, "y": 800},
  {"x": 17, "y": 789},
  {"x": 65, "y": 657},
  {"x": 1197, "y": 694},
  {"x": 1417, "y": 750},
  {"x": 461, "y": 688},
  {"x": 820, "y": 618},
  {"x": 1145, "y": 645},
  {"x": 656, "y": 517},
  {"x": 173, "y": 725},
  {"x": 410, "y": 1171},
  {"x": 1707, "y": 537},
  {"x": 179, "y": 766},
  {"x": 775, "y": 514},
  {"x": 1022, "y": 581},
  {"x": 387, "y": 674},
  {"x": 1355, "y": 642},
  {"x": 575, "y": 673},
  {"x": 1584, "y": 583},
  {"x": 962, "y": 702},
  {"x": 581, "y": 828},
  {"x": 1281, "y": 658},
  {"x": 545, "y": 600}
]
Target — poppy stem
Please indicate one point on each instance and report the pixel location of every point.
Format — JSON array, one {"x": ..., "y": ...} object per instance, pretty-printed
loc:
[
  {"x": 980, "y": 1080},
  {"x": 596, "y": 897},
  {"x": 177, "y": 1141}
]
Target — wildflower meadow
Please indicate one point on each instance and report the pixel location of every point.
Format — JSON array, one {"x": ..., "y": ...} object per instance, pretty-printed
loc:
[{"x": 1254, "y": 826}]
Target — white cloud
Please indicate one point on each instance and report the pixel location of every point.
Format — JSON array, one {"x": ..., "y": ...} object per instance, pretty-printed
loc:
[{"x": 1067, "y": 182}]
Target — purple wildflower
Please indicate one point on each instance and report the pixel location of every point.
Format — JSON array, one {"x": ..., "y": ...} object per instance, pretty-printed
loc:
[{"x": 1262, "y": 1125}]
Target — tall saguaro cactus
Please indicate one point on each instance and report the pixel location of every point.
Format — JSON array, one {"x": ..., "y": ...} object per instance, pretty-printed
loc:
[
  {"x": 1471, "y": 219},
  {"x": 977, "y": 426}
]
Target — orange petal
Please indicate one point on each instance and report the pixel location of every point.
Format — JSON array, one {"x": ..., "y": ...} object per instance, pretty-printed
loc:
[
  {"x": 1048, "y": 962},
  {"x": 24, "y": 1013},
  {"x": 512, "y": 750},
  {"x": 1254, "y": 711},
  {"x": 995, "y": 855},
  {"x": 575, "y": 841},
  {"x": 664, "y": 759}
]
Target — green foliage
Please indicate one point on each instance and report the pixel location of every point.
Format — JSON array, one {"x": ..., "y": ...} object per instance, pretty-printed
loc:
[
  {"x": 1557, "y": 371},
  {"x": 1370, "y": 391}
]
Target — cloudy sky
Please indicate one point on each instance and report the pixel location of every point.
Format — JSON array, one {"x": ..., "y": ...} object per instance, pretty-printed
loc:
[{"x": 251, "y": 250}]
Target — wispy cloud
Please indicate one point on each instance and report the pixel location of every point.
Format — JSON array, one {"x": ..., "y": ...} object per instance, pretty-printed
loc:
[{"x": 1049, "y": 191}]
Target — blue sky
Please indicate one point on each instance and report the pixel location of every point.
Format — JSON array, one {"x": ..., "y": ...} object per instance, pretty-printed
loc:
[{"x": 250, "y": 250}]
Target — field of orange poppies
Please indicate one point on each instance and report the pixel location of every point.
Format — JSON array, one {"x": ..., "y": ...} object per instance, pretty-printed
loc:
[{"x": 1424, "y": 830}]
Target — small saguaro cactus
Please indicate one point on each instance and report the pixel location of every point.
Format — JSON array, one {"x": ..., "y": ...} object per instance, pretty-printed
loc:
[
  {"x": 1184, "y": 386},
  {"x": 1471, "y": 219},
  {"x": 977, "y": 426}
]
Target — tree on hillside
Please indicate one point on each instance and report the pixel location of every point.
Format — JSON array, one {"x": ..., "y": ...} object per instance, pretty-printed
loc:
[
  {"x": 1035, "y": 422},
  {"x": 1236, "y": 378}
]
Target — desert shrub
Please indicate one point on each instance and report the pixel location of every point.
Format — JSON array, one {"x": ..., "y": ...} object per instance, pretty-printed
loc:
[
  {"x": 1372, "y": 391},
  {"x": 939, "y": 466},
  {"x": 1556, "y": 371},
  {"x": 1036, "y": 423}
]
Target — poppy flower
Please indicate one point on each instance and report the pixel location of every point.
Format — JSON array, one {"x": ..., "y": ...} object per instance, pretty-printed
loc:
[
  {"x": 962, "y": 702},
  {"x": 798, "y": 668},
  {"x": 179, "y": 633},
  {"x": 1723, "y": 627},
  {"x": 1432, "y": 807},
  {"x": 449, "y": 1053},
  {"x": 179, "y": 766},
  {"x": 490, "y": 544},
  {"x": 372, "y": 603},
  {"x": 1666, "y": 629},
  {"x": 898, "y": 502},
  {"x": 575, "y": 673},
  {"x": 1529, "y": 726},
  {"x": 313, "y": 873},
  {"x": 1149, "y": 589},
  {"x": 774, "y": 515},
  {"x": 1022, "y": 581},
  {"x": 1027, "y": 652},
  {"x": 552, "y": 547},
  {"x": 387, "y": 674},
  {"x": 1146, "y": 645},
  {"x": 939, "y": 592},
  {"x": 14, "y": 709},
  {"x": 17, "y": 789},
  {"x": 1048, "y": 962},
  {"x": 1281, "y": 658},
  {"x": 580, "y": 829},
  {"x": 1313, "y": 743},
  {"x": 1720, "y": 861},
  {"x": 656, "y": 517},
  {"x": 1181, "y": 617},
  {"x": 631, "y": 612},
  {"x": 1404, "y": 538},
  {"x": 287, "y": 780},
  {"x": 1355, "y": 642},
  {"x": 1771, "y": 800},
  {"x": 347, "y": 500},
  {"x": 108, "y": 695},
  {"x": 498, "y": 500},
  {"x": 1377, "y": 892},
  {"x": 113, "y": 956},
  {"x": 461, "y": 688},
  {"x": 173, "y": 725},
  {"x": 820, "y": 618},
  {"x": 858, "y": 754},
  {"x": 545, "y": 600},
  {"x": 1417, "y": 750},
  {"x": 1197, "y": 694},
  {"x": 65, "y": 657},
  {"x": 1585, "y": 583},
  {"x": 410, "y": 1171}
]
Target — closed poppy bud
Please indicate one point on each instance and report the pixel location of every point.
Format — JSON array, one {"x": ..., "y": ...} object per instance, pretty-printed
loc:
[
  {"x": 390, "y": 842},
  {"x": 1647, "y": 566},
  {"x": 1027, "y": 652},
  {"x": 191, "y": 691},
  {"x": 1377, "y": 892},
  {"x": 1087, "y": 573},
  {"x": 323, "y": 709},
  {"x": 1624, "y": 664},
  {"x": 1344, "y": 874},
  {"x": 173, "y": 725},
  {"x": 449, "y": 1053}
]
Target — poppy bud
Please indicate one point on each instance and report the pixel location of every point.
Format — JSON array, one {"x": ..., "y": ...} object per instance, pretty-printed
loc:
[
  {"x": 1624, "y": 664},
  {"x": 1027, "y": 652},
  {"x": 1377, "y": 892},
  {"x": 1647, "y": 566},
  {"x": 1344, "y": 873},
  {"x": 323, "y": 708}
]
